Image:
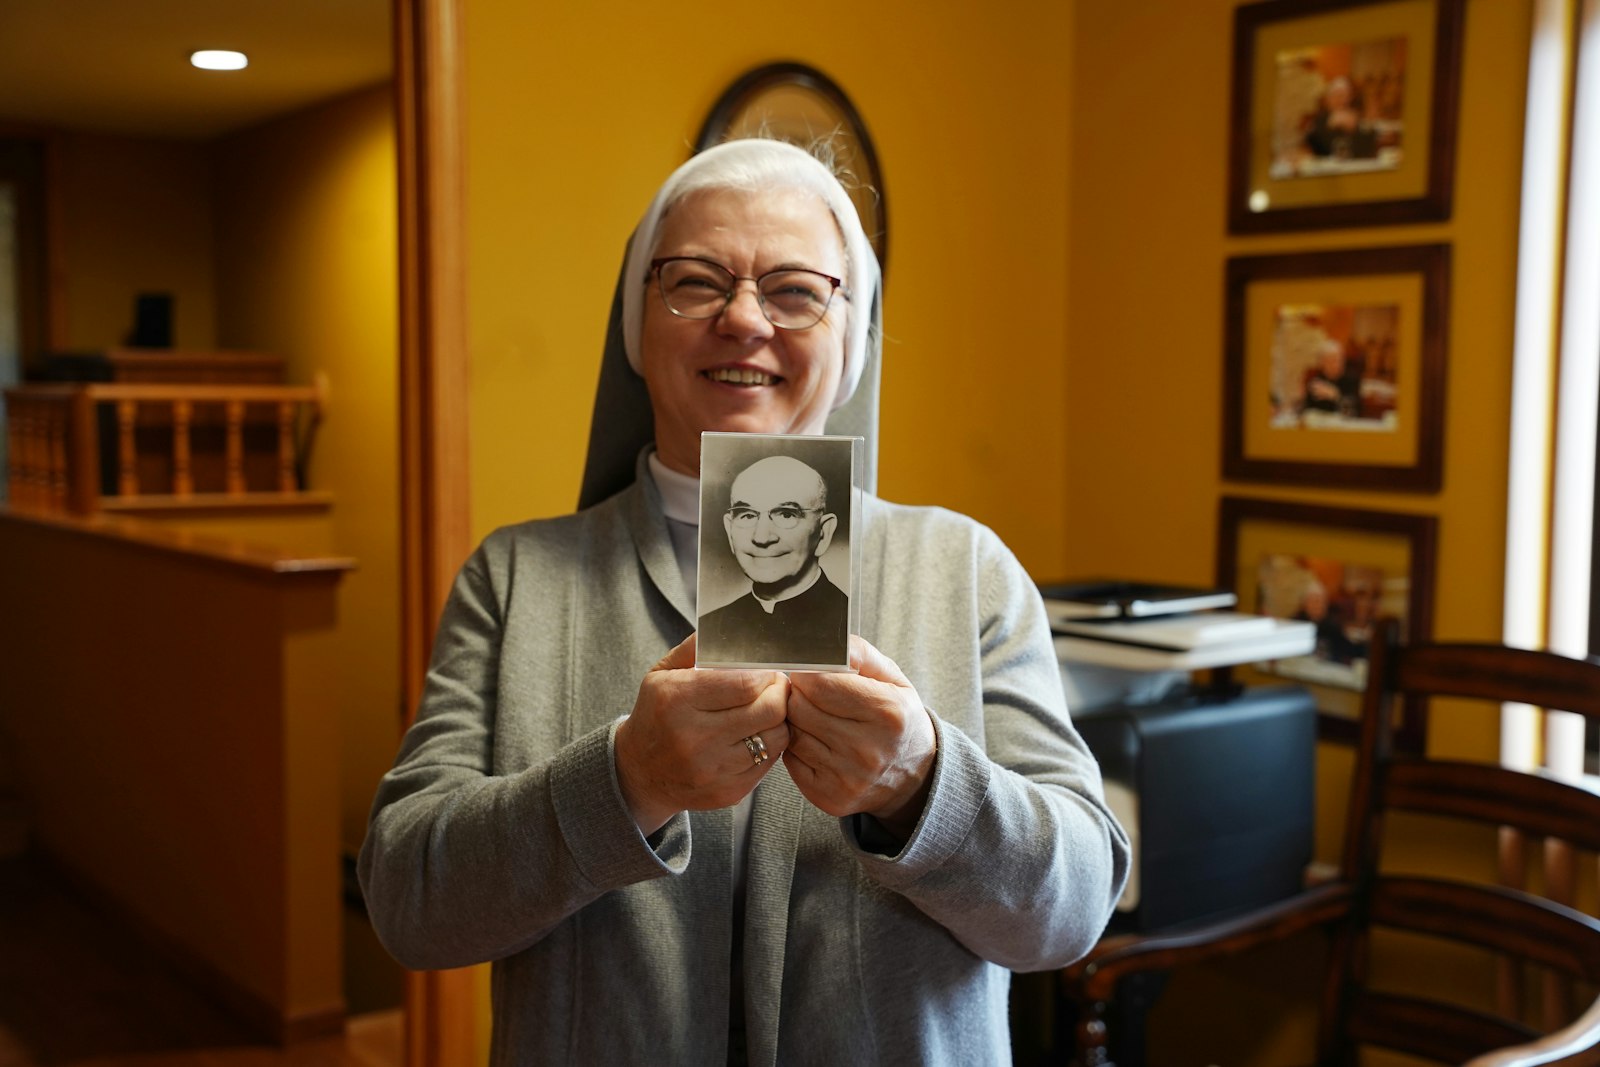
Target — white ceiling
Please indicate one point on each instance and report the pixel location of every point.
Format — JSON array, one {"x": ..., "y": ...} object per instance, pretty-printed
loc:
[{"x": 122, "y": 66}]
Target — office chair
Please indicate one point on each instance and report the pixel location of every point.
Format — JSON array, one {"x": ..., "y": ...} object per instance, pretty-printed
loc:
[{"x": 1514, "y": 932}]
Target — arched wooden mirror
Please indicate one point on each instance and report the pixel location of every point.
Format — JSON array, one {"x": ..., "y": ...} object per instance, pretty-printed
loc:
[{"x": 798, "y": 103}]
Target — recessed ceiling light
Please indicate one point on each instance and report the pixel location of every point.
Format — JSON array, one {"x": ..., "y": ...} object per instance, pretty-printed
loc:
[{"x": 219, "y": 59}]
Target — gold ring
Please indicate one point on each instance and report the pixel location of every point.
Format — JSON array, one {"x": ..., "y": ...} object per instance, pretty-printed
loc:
[{"x": 757, "y": 747}]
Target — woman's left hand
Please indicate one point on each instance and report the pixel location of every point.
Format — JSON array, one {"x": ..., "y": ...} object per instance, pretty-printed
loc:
[{"x": 861, "y": 743}]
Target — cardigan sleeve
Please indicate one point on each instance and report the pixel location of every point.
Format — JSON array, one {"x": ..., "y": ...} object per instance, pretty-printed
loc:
[
  {"x": 1016, "y": 853},
  {"x": 461, "y": 865}
]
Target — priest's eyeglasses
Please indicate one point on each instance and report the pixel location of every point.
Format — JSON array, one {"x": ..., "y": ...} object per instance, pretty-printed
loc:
[
  {"x": 784, "y": 516},
  {"x": 791, "y": 299}
]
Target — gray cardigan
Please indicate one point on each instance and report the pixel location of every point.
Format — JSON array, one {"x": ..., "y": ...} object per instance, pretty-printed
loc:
[{"x": 500, "y": 834}]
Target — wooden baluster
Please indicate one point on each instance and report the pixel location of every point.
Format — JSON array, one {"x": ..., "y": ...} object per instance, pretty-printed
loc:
[
  {"x": 235, "y": 447},
  {"x": 127, "y": 456},
  {"x": 83, "y": 455},
  {"x": 182, "y": 476},
  {"x": 1560, "y": 885},
  {"x": 32, "y": 428},
  {"x": 12, "y": 439},
  {"x": 1508, "y": 977},
  {"x": 286, "y": 478},
  {"x": 21, "y": 420},
  {"x": 16, "y": 450},
  {"x": 56, "y": 457}
]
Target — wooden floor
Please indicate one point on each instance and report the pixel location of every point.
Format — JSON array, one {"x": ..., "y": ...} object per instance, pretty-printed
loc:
[{"x": 75, "y": 989}]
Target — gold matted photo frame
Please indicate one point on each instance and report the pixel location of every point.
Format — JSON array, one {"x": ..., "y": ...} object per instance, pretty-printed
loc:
[
  {"x": 1334, "y": 367},
  {"x": 1342, "y": 569},
  {"x": 1344, "y": 113}
]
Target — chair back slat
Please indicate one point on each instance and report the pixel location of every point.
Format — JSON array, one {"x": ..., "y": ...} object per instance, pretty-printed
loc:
[
  {"x": 1393, "y": 774},
  {"x": 1430, "y": 1029},
  {"x": 1492, "y": 917},
  {"x": 1503, "y": 675},
  {"x": 1534, "y": 803}
]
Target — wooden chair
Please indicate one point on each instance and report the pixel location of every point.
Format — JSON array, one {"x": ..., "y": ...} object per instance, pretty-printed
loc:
[{"x": 1517, "y": 930}]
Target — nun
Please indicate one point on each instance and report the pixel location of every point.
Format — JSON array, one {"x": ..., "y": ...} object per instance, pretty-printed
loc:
[{"x": 672, "y": 865}]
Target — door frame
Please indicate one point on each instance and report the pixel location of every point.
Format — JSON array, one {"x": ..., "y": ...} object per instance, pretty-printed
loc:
[{"x": 440, "y": 1009}]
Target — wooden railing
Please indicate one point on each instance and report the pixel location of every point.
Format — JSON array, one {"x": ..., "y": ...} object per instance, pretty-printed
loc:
[{"x": 166, "y": 445}]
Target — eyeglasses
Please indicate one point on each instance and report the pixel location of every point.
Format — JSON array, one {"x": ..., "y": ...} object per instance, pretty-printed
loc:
[
  {"x": 783, "y": 517},
  {"x": 791, "y": 299}
]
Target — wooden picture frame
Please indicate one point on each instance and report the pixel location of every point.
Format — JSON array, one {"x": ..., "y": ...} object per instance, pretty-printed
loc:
[
  {"x": 1343, "y": 113},
  {"x": 798, "y": 103},
  {"x": 1334, "y": 367},
  {"x": 1342, "y": 568}
]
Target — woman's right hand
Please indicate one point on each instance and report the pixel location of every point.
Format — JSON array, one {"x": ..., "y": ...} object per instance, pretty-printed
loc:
[{"x": 682, "y": 747}]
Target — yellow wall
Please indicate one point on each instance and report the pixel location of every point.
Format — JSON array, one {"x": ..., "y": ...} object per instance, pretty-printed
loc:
[
  {"x": 574, "y": 119},
  {"x": 1073, "y": 402},
  {"x": 1142, "y": 416},
  {"x": 1141, "y": 421},
  {"x": 306, "y": 254},
  {"x": 1056, "y": 188},
  {"x": 1146, "y": 300},
  {"x": 135, "y": 217}
]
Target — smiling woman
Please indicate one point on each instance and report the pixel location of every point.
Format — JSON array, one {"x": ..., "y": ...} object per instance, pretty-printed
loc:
[{"x": 650, "y": 822}]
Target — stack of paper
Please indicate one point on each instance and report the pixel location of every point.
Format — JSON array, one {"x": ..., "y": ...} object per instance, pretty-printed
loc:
[
  {"x": 1113, "y": 599},
  {"x": 1206, "y": 646},
  {"x": 1150, "y": 626},
  {"x": 1172, "y": 631}
]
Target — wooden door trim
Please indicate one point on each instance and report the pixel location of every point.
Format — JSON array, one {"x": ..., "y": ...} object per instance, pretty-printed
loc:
[{"x": 434, "y": 492}]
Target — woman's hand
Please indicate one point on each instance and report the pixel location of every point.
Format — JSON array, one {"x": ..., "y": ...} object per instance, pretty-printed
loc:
[
  {"x": 861, "y": 743},
  {"x": 682, "y": 748}
]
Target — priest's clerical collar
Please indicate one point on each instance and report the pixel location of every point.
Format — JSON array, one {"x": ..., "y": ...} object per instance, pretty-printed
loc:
[{"x": 680, "y": 494}]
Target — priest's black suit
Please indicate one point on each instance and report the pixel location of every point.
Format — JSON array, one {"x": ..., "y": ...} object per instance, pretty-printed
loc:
[{"x": 812, "y": 628}]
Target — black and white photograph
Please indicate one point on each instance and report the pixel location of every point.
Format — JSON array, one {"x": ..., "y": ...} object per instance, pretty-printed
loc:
[{"x": 775, "y": 551}]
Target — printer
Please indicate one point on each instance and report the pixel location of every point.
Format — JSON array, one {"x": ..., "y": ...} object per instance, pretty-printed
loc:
[{"x": 1213, "y": 783}]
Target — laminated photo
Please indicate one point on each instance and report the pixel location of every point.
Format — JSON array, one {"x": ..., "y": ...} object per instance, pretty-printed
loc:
[{"x": 777, "y": 570}]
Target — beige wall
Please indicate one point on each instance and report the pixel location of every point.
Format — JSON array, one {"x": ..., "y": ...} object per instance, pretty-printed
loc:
[
  {"x": 161, "y": 739},
  {"x": 135, "y": 217},
  {"x": 281, "y": 239},
  {"x": 232, "y": 733},
  {"x": 306, "y": 268}
]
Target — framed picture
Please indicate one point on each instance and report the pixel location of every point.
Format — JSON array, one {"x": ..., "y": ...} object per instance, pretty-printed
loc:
[
  {"x": 800, "y": 104},
  {"x": 1334, "y": 367},
  {"x": 1343, "y": 113},
  {"x": 1341, "y": 569}
]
